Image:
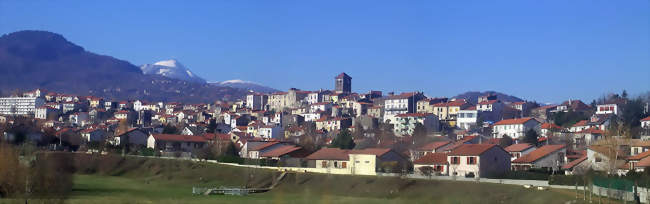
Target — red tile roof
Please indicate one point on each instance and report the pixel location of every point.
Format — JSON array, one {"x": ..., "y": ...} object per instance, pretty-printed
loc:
[
  {"x": 179, "y": 138},
  {"x": 646, "y": 119},
  {"x": 592, "y": 130},
  {"x": 277, "y": 152},
  {"x": 574, "y": 162},
  {"x": 518, "y": 147},
  {"x": 263, "y": 146},
  {"x": 539, "y": 153},
  {"x": 639, "y": 156},
  {"x": 432, "y": 158},
  {"x": 487, "y": 102},
  {"x": 472, "y": 149},
  {"x": 643, "y": 163},
  {"x": 513, "y": 121},
  {"x": 580, "y": 123}
]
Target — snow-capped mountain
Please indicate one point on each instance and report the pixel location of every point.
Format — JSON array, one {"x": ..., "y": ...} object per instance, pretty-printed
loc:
[
  {"x": 247, "y": 85},
  {"x": 172, "y": 69}
]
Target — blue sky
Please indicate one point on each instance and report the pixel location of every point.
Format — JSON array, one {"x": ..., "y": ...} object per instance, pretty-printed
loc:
[{"x": 547, "y": 51}]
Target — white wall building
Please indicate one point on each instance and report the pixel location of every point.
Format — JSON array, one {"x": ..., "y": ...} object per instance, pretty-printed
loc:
[
  {"x": 515, "y": 128},
  {"x": 607, "y": 109},
  {"x": 467, "y": 119},
  {"x": 20, "y": 105}
]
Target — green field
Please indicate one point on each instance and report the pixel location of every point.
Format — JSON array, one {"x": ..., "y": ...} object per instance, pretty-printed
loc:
[
  {"x": 142, "y": 180},
  {"x": 108, "y": 189}
]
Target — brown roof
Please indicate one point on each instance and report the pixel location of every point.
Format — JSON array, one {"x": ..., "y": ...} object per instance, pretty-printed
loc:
[
  {"x": 574, "y": 162},
  {"x": 487, "y": 102},
  {"x": 639, "y": 156},
  {"x": 432, "y": 158},
  {"x": 472, "y": 149},
  {"x": 592, "y": 130},
  {"x": 513, "y": 121},
  {"x": 263, "y": 146},
  {"x": 580, "y": 123},
  {"x": 538, "y": 153},
  {"x": 180, "y": 138},
  {"x": 284, "y": 149},
  {"x": 643, "y": 163},
  {"x": 518, "y": 147},
  {"x": 433, "y": 146},
  {"x": 640, "y": 143}
]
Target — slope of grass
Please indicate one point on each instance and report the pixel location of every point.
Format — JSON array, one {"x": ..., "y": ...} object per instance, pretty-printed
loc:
[{"x": 141, "y": 180}]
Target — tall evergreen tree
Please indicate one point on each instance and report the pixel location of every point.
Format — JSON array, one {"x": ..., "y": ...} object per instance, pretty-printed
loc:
[{"x": 343, "y": 140}]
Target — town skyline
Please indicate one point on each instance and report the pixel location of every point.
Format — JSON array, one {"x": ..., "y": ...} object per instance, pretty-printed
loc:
[{"x": 552, "y": 55}]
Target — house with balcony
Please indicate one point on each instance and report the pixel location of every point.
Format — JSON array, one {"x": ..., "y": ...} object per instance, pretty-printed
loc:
[{"x": 478, "y": 160}]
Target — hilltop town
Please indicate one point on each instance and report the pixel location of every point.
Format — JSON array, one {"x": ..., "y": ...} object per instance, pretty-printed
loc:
[{"x": 341, "y": 132}]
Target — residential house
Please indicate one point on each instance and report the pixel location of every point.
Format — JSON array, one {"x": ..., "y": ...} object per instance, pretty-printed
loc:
[
  {"x": 432, "y": 147},
  {"x": 478, "y": 160},
  {"x": 550, "y": 157},
  {"x": 427, "y": 105},
  {"x": 518, "y": 150},
  {"x": 257, "y": 101},
  {"x": 633, "y": 161},
  {"x": 639, "y": 146},
  {"x": 437, "y": 161},
  {"x": 468, "y": 118},
  {"x": 286, "y": 155},
  {"x": 357, "y": 162},
  {"x": 175, "y": 143},
  {"x": 400, "y": 104},
  {"x": 133, "y": 136},
  {"x": 270, "y": 132},
  {"x": 645, "y": 123},
  {"x": 577, "y": 166},
  {"x": 93, "y": 135},
  {"x": 333, "y": 124},
  {"x": 515, "y": 128},
  {"x": 46, "y": 113},
  {"x": 587, "y": 136}
]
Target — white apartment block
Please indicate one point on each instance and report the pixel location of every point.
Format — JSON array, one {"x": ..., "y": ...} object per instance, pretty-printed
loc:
[{"x": 20, "y": 105}]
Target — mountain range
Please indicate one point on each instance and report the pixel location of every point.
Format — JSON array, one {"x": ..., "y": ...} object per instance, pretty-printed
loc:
[
  {"x": 171, "y": 69},
  {"x": 175, "y": 70},
  {"x": 41, "y": 59},
  {"x": 246, "y": 85}
]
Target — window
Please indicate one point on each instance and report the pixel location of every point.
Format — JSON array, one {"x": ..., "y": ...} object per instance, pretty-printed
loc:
[
  {"x": 471, "y": 160},
  {"x": 455, "y": 160},
  {"x": 344, "y": 165},
  {"x": 324, "y": 164}
]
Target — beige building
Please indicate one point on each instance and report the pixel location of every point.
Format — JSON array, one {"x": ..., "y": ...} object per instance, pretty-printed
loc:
[{"x": 356, "y": 162}]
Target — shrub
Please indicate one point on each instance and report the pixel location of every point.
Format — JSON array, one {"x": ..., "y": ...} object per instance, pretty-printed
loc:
[{"x": 523, "y": 175}]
